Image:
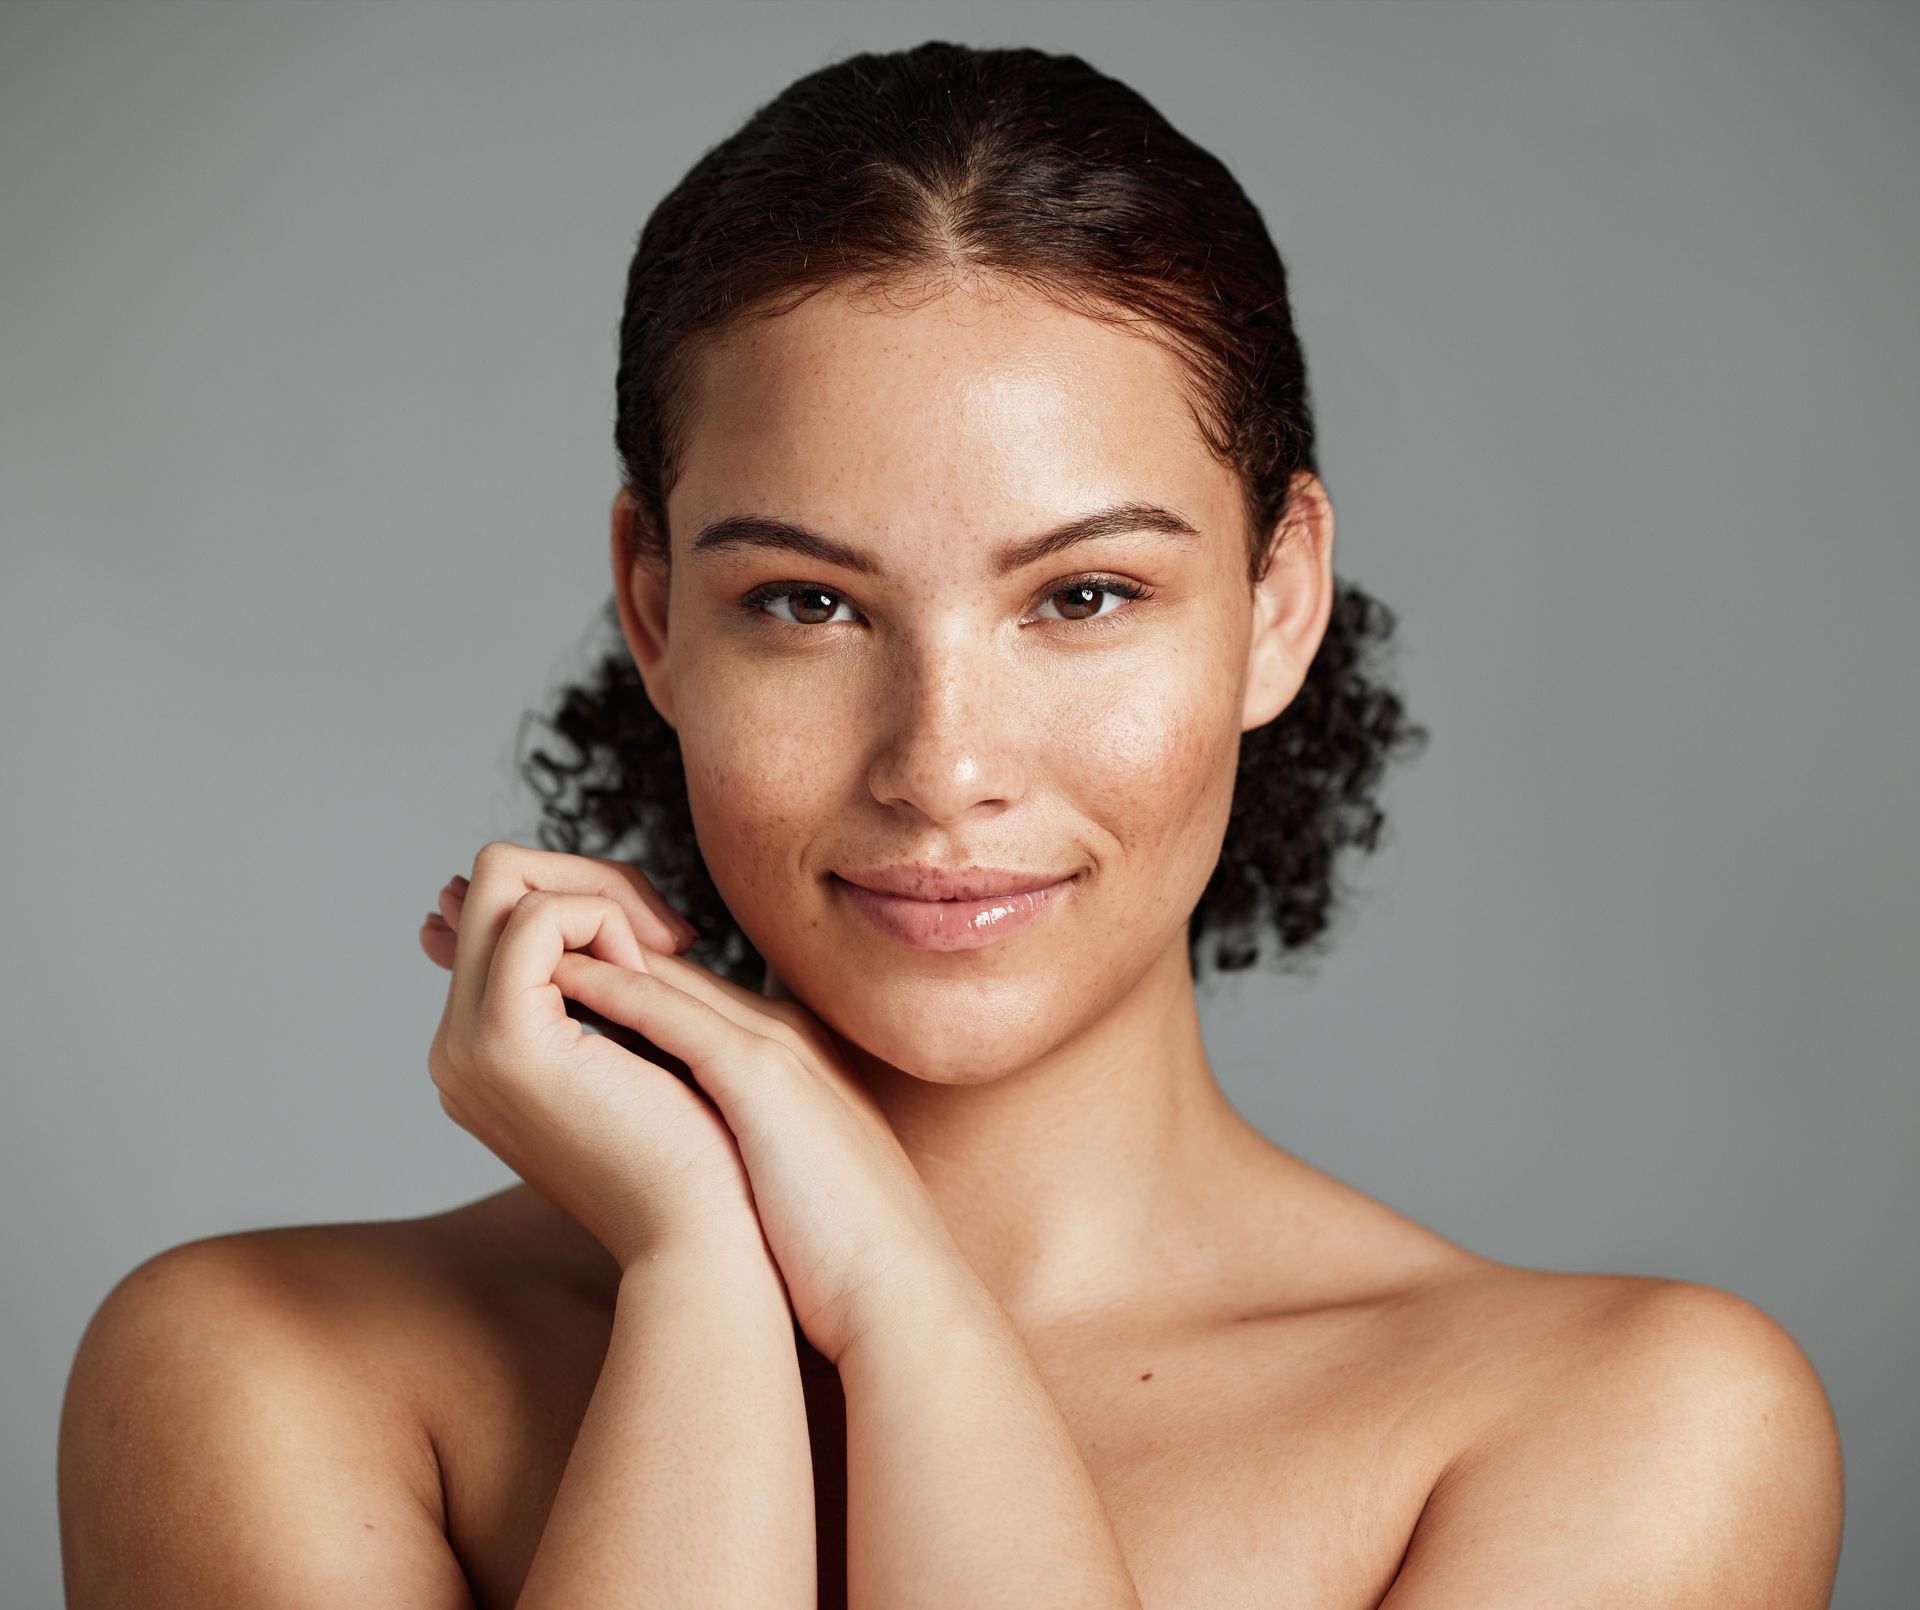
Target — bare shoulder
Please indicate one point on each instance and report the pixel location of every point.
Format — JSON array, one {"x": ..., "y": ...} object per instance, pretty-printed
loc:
[
  {"x": 241, "y": 1424},
  {"x": 1659, "y": 1441}
]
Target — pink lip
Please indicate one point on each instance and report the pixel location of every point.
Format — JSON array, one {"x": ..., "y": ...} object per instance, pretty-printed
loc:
[
  {"x": 951, "y": 924},
  {"x": 926, "y": 882}
]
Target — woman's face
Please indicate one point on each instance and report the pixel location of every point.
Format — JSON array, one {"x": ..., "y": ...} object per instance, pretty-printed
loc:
[{"x": 914, "y": 697}]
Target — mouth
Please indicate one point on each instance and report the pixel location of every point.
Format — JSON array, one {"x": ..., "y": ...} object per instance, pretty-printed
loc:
[
  {"x": 924, "y": 882},
  {"x": 964, "y": 920}
]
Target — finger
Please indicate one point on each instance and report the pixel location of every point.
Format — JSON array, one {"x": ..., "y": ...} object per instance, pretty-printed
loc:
[
  {"x": 711, "y": 1043},
  {"x": 503, "y": 874},
  {"x": 542, "y": 927},
  {"x": 677, "y": 932},
  {"x": 438, "y": 940},
  {"x": 762, "y": 1013},
  {"x": 654, "y": 922}
]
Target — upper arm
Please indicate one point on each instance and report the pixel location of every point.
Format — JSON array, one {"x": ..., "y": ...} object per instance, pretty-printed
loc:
[
  {"x": 218, "y": 1447},
  {"x": 1690, "y": 1458}
]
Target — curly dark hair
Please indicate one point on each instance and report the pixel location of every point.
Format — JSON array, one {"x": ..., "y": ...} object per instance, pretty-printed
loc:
[{"x": 1031, "y": 168}]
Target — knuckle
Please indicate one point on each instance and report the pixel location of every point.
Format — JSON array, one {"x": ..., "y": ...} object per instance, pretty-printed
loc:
[
  {"x": 447, "y": 1075},
  {"x": 455, "y": 1045},
  {"x": 798, "y": 1029},
  {"x": 788, "y": 1037},
  {"x": 775, "y": 1058},
  {"x": 617, "y": 915},
  {"x": 492, "y": 856}
]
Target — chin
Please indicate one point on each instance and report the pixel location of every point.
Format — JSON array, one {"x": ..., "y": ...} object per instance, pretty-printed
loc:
[
  {"x": 978, "y": 1057},
  {"x": 955, "y": 1030}
]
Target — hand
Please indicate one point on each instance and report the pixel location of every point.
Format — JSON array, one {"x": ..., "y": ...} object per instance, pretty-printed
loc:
[
  {"x": 624, "y": 1145},
  {"x": 841, "y": 1206}
]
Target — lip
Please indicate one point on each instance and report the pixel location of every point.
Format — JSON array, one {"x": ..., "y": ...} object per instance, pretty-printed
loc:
[
  {"x": 953, "y": 923},
  {"x": 945, "y": 883}
]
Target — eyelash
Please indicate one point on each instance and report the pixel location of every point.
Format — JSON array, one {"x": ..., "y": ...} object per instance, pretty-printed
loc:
[{"x": 755, "y": 601}]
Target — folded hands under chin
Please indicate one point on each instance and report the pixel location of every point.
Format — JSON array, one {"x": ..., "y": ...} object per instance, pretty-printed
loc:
[{"x": 786, "y": 1132}]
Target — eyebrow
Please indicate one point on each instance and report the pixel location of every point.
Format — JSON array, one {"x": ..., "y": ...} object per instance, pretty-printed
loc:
[{"x": 765, "y": 531}]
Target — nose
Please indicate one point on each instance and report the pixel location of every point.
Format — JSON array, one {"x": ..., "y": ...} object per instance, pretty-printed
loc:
[{"x": 951, "y": 734}]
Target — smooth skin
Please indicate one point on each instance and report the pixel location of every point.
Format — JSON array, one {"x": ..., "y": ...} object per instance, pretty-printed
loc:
[{"x": 1095, "y": 1340}]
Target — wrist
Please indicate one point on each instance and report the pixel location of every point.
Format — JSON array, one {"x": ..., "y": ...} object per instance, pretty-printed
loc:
[
  {"x": 920, "y": 1316},
  {"x": 728, "y": 1254}
]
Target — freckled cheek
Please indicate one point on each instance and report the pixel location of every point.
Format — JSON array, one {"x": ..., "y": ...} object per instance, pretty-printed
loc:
[
  {"x": 763, "y": 774},
  {"x": 1143, "y": 755},
  {"x": 1152, "y": 767}
]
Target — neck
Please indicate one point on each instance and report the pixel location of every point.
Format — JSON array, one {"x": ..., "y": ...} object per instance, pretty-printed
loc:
[{"x": 1109, "y": 1167}]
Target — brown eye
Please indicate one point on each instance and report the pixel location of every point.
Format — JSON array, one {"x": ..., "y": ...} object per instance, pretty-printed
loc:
[
  {"x": 813, "y": 607},
  {"x": 1084, "y": 597},
  {"x": 810, "y": 606},
  {"x": 1081, "y": 599}
]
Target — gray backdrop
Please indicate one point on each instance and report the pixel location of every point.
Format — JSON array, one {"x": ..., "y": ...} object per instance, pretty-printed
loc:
[{"x": 307, "y": 321}]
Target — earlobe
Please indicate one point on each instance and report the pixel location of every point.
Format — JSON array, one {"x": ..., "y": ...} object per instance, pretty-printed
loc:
[
  {"x": 640, "y": 596},
  {"x": 1292, "y": 603}
]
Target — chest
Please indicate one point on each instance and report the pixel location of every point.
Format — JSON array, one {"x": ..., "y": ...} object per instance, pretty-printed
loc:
[{"x": 1239, "y": 1470}]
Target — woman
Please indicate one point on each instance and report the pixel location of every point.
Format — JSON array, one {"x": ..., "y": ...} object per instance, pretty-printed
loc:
[{"x": 982, "y": 661}]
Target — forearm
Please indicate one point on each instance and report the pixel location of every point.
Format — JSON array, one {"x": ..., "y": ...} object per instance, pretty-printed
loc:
[
  {"x": 964, "y": 1487},
  {"x": 690, "y": 1482}
]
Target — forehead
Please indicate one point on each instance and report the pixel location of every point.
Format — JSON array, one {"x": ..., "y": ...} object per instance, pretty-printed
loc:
[{"x": 998, "y": 413}]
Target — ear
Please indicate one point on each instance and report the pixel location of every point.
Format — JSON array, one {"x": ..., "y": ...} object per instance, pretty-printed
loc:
[
  {"x": 640, "y": 594},
  {"x": 1292, "y": 603}
]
